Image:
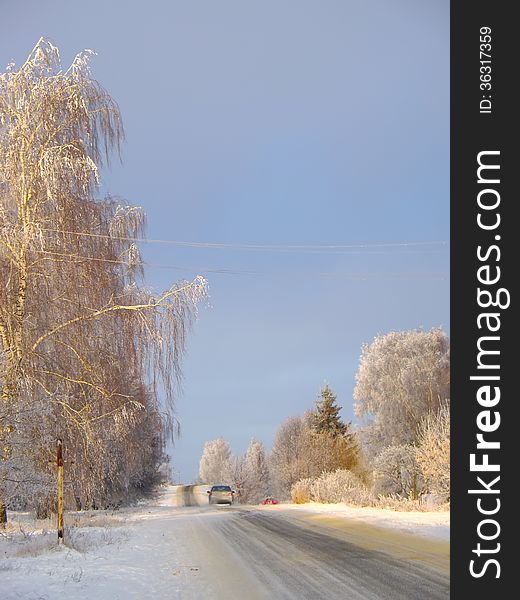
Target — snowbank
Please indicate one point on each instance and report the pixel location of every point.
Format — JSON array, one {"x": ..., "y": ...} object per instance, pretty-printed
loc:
[{"x": 435, "y": 524}]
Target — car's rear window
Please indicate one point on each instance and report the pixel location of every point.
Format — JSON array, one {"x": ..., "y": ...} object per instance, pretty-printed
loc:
[{"x": 221, "y": 488}]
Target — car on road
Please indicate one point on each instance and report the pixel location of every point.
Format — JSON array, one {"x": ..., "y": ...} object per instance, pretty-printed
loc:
[{"x": 221, "y": 494}]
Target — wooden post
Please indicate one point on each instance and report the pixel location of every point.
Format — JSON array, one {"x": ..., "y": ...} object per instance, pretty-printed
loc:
[{"x": 59, "y": 464}]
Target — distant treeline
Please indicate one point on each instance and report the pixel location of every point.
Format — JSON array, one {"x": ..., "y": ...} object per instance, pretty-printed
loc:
[{"x": 399, "y": 454}]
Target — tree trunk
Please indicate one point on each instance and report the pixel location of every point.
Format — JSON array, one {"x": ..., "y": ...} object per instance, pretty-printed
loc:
[{"x": 415, "y": 495}]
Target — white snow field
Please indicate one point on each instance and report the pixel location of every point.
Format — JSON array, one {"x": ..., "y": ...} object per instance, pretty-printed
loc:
[{"x": 165, "y": 550}]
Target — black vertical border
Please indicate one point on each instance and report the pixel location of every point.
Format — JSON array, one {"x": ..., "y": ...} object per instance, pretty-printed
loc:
[{"x": 471, "y": 133}]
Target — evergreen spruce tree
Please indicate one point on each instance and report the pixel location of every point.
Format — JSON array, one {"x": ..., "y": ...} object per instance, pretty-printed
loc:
[{"x": 326, "y": 417}]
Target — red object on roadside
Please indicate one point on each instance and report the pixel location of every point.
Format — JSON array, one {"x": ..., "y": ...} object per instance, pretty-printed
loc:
[{"x": 269, "y": 500}]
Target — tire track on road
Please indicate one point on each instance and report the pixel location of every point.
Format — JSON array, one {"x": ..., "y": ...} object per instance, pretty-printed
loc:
[{"x": 293, "y": 561}]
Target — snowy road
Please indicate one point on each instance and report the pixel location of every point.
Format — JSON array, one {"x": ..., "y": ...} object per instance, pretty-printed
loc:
[
  {"x": 237, "y": 552},
  {"x": 292, "y": 560}
]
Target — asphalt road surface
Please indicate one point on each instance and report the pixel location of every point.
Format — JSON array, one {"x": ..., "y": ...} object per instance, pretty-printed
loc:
[{"x": 250, "y": 552}]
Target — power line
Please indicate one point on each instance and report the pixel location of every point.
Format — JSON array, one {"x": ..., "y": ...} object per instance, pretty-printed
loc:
[
  {"x": 353, "y": 276},
  {"x": 226, "y": 271},
  {"x": 304, "y": 248}
]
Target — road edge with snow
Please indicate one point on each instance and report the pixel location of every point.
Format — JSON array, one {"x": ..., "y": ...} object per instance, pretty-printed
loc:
[{"x": 430, "y": 524}]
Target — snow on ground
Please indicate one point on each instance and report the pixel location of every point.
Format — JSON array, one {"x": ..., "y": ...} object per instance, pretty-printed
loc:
[
  {"x": 435, "y": 524},
  {"x": 163, "y": 549},
  {"x": 154, "y": 550}
]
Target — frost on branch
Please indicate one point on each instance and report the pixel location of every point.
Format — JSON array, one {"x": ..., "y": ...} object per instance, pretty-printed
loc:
[
  {"x": 433, "y": 452},
  {"x": 256, "y": 480},
  {"x": 401, "y": 377},
  {"x": 216, "y": 463},
  {"x": 396, "y": 471},
  {"x": 85, "y": 346}
]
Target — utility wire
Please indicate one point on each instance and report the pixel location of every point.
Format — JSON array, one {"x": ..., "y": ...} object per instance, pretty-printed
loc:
[
  {"x": 305, "y": 248},
  {"x": 226, "y": 271}
]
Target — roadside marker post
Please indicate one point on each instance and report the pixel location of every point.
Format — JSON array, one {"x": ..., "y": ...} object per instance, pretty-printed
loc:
[{"x": 59, "y": 464}]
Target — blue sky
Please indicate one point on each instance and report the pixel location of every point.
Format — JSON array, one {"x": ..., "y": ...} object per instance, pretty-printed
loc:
[{"x": 279, "y": 122}]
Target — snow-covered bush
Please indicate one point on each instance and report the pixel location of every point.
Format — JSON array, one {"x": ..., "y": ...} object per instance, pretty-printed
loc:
[
  {"x": 359, "y": 496},
  {"x": 301, "y": 491},
  {"x": 340, "y": 485},
  {"x": 344, "y": 486},
  {"x": 396, "y": 472},
  {"x": 335, "y": 486},
  {"x": 433, "y": 452}
]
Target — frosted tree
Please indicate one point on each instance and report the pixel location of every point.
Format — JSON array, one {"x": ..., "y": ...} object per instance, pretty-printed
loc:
[
  {"x": 326, "y": 417},
  {"x": 331, "y": 443},
  {"x": 256, "y": 473},
  {"x": 401, "y": 377},
  {"x": 396, "y": 471},
  {"x": 215, "y": 465},
  {"x": 288, "y": 459},
  {"x": 433, "y": 451},
  {"x": 326, "y": 452},
  {"x": 299, "y": 452},
  {"x": 84, "y": 345},
  {"x": 238, "y": 476}
]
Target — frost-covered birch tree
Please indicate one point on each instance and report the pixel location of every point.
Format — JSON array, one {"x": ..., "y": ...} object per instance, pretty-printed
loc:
[
  {"x": 84, "y": 345},
  {"x": 288, "y": 458},
  {"x": 215, "y": 465},
  {"x": 402, "y": 376},
  {"x": 256, "y": 484},
  {"x": 238, "y": 476}
]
